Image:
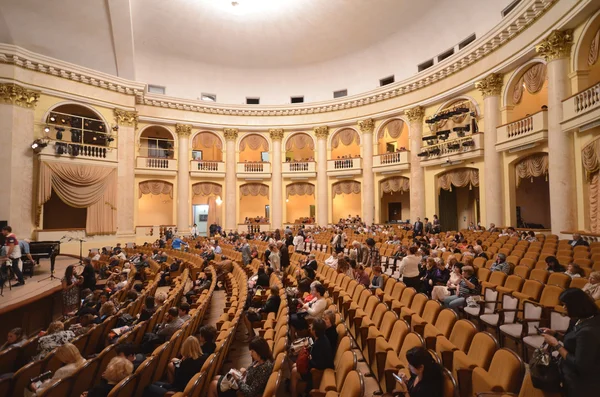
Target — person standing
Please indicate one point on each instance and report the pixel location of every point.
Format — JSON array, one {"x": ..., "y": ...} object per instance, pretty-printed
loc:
[
  {"x": 418, "y": 227},
  {"x": 409, "y": 269},
  {"x": 374, "y": 258},
  {"x": 13, "y": 253},
  {"x": 194, "y": 231}
]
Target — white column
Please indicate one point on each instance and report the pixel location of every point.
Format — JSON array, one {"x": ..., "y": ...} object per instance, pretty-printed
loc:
[
  {"x": 183, "y": 178},
  {"x": 277, "y": 195},
  {"x": 417, "y": 176},
  {"x": 368, "y": 188},
  {"x": 556, "y": 49},
  {"x": 127, "y": 122},
  {"x": 231, "y": 135},
  {"x": 322, "y": 193},
  {"x": 17, "y": 106},
  {"x": 491, "y": 88}
]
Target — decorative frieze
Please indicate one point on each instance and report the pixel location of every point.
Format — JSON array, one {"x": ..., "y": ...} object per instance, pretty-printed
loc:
[{"x": 17, "y": 95}]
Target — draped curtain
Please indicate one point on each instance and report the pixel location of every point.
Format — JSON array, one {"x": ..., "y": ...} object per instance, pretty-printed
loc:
[
  {"x": 300, "y": 189},
  {"x": 395, "y": 184},
  {"x": 254, "y": 142},
  {"x": 532, "y": 166},
  {"x": 254, "y": 189},
  {"x": 155, "y": 188},
  {"x": 460, "y": 178},
  {"x": 206, "y": 189},
  {"x": 591, "y": 163},
  {"x": 299, "y": 141},
  {"x": 83, "y": 186},
  {"x": 212, "y": 210},
  {"x": 594, "y": 48},
  {"x": 394, "y": 129},
  {"x": 533, "y": 80},
  {"x": 347, "y": 187},
  {"x": 346, "y": 137},
  {"x": 208, "y": 140}
]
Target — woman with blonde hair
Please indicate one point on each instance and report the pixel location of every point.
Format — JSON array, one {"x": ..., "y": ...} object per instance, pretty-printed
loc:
[
  {"x": 106, "y": 310},
  {"x": 69, "y": 355},
  {"x": 117, "y": 369},
  {"x": 180, "y": 371}
]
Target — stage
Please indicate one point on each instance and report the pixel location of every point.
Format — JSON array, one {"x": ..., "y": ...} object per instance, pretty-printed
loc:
[{"x": 38, "y": 285}]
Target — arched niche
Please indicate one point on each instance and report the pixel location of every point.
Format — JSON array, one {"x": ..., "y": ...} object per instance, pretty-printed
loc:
[
  {"x": 532, "y": 191},
  {"x": 300, "y": 202},
  {"x": 392, "y": 136},
  {"x": 156, "y": 141},
  {"x": 526, "y": 91},
  {"x": 71, "y": 122},
  {"x": 252, "y": 146},
  {"x": 208, "y": 193},
  {"x": 346, "y": 199},
  {"x": 586, "y": 59},
  {"x": 466, "y": 118},
  {"x": 207, "y": 146},
  {"x": 345, "y": 142},
  {"x": 254, "y": 201},
  {"x": 155, "y": 203},
  {"x": 394, "y": 198},
  {"x": 458, "y": 198},
  {"x": 299, "y": 146}
]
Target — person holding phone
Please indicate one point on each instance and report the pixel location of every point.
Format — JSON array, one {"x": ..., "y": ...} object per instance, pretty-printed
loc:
[{"x": 426, "y": 376}]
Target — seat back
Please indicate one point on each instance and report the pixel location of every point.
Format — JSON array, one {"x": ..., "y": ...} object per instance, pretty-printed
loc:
[
  {"x": 380, "y": 310},
  {"x": 532, "y": 288},
  {"x": 344, "y": 346},
  {"x": 532, "y": 311},
  {"x": 450, "y": 384},
  {"x": 399, "y": 332},
  {"x": 559, "y": 321},
  {"x": 510, "y": 304},
  {"x": 407, "y": 296},
  {"x": 431, "y": 311},
  {"x": 507, "y": 369},
  {"x": 445, "y": 321},
  {"x": 145, "y": 372},
  {"x": 482, "y": 349},
  {"x": 483, "y": 274},
  {"x": 513, "y": 283},
  {"x": 462, "y": 334},
  {"x": 272, "y": 385},
  {"x": 497, "y": 278},
  {"x": 125, "y": 388},
  {"x": 521, "y": 271},
  {"x": 354, "y": 385},
  {"x": 490, "y": 296},
  {"x": 347, "y": 363},
  {"x": 84, "y": 378},
  {"x": 411, "y": 340},
  {"x": 550, "y": 295},
  {"x": 559, "y": 279},
  {"x": 418, "y": 303},
  {"x": 539, "y": 275}
]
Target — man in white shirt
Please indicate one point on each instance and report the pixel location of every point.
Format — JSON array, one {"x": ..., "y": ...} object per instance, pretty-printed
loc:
[{"x": 194, "y": 231}]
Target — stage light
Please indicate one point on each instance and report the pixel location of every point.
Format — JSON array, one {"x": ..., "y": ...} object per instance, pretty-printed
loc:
[
  {"x": 52, "y": 118},
  {"x": 38, "y": 145},
  {"x": 46, "y": 129},
  {"x": 59, "y": 133},
  {"x": 60, "y": 148}
]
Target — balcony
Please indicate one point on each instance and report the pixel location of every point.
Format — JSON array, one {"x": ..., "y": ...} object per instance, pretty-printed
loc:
[
  {"x": 582, "y": 110},
  {"x": 254, "y": 170},
  {"x": 452, "y": 151},
  {"x": 155, "y": 166},
  {"x": 389, "y": 163},
  {"x": 524, "y": 133},
  {"x": 76, "y": 152},
  {"x": 207, "y": 169},
  {"x": 299, "y": 169},
  {"x": 344, "y": 167}
]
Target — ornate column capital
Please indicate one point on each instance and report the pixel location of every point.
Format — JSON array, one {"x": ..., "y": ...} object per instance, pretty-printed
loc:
[
  {"x": 17, "y": 95},
  {"x": 127, "y": 118},
  {"x": 230, "y": 134},
  {"x": 183, "y": 130},
  {"x": 321, "y": 132},
  {"x": 491, "y": 85},
  {"x": 276, "y": 134},
  {"x": 415, "y": 114},
  {"x": 556, "y": 46},
  {"x": 366, "y": 126}
]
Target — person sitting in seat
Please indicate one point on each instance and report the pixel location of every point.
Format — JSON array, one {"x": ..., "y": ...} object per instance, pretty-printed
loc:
[
  {"x": 54, "y": 337},
  {"x": 71, "y": 359},
  {"x": 331, "y": 331},
  {"x": 117, "y": 369},
  {"x": 553, "y": 266},
  {"x": 426, "y": 379},
  {"x": 467, "y": 286},
  {"x": 15, "y": 338},
  {"x": 270, "y": 306},
  {"x": 500, "y": 265}
]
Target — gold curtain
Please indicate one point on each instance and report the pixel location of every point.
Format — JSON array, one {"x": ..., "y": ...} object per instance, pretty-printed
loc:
[
  {"x": 155, "y": 188},
  {"x": 346, "y": 137},
  {"x": 394, "y": 129},
  {"x": 533, "y": 79},
  {"x": 208, "y": 140},
  {"x": 594, "y": 192},
  {"x": 395, "y": 184},
  {"x": 460, "y": 178},
  {"x": 212, "y": 210},
  {"x": 83, "y": 186},
  {"x": 206, "y": 189},
  {"x": 590, "y": 157},
  {"x": 531, "y": 167},
  {"x": 299, "y": 141},
  {"x": 254, "y": 189},
  {"x": 594, "y": 47},
  {"x": 347, "y": 187},
  {"x": 254, "y": 142},
  {"x": 300, "y": 189}
]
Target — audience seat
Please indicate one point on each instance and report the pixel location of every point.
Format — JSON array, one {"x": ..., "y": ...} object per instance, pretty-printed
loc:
[{"x": 505, "y": 374}]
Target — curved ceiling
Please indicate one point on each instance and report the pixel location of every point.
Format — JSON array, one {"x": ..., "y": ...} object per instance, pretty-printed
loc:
[{"x": 272, "y": 49}]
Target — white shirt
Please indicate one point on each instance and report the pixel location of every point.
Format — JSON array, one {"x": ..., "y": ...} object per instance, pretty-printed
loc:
[
  {"x": 317, "y": 307},
  {"x": 409, "y": 267},
  {"x": 194, "y": 231},
  {"x": 332, "y": 261}
]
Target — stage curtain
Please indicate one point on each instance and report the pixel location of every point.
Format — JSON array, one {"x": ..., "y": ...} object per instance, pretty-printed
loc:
[
  {"x": 460, "y": 178},
  {"x": 533, "y": 79},
  {"x": 346, "y": 137},
  {"x": 207, "y": 139},
  {"x": 206, "y": 189},
  {"x": 346, "y": 188},
  {"x": 254, "y": 142},
  {"x": 83, "y": 186},
  {"x": 155, "y": 188},
  {"x": 299, "y": 141},
  {"x": 531, "y": 167},
  {"x": 254, "y": 189},
  {"x": 300, "y": 189},
  {"x": 394, "y": 129},
  {"x": 395, "y": 184}
]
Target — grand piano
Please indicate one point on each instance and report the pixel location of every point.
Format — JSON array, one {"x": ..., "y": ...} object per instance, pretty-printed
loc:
[{"x": 44, "y": 250}]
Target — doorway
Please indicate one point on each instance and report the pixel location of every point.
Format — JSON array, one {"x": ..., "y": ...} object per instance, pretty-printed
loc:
[
  {"x": 200, "y": 212},
  {"x": 394, "y": 212},
  {"x": 458, "y": 207}
]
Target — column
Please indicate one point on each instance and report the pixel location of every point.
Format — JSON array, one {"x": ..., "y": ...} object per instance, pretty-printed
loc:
[
  {"x": 231, "y": 135},
  {"x": 17, "y": 106},
  {"x": 491, "y": 88},
  {"x": 127, "y": 122},
  {"x": 277, "y": 195},
  {"x": 368, "y": 189},
  {"x": 183, "y": 178},
  {"x": 556, "y": 49},
  {"x": 322, "y": 192},
  {"x": 417, "y": 177}
]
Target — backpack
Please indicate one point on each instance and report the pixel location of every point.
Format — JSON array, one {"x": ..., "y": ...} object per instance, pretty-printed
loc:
[{"x": 124, "y": 320}]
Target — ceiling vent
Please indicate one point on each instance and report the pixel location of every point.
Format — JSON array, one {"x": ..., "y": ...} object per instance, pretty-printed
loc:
[
  {"x": 446, "y": 54},
  {"x": 297, "y": 99},
  {"x": 466, "y": 41},
  {"x": 386, "y": 80},
  {"x": 340, "y": 93},
  {"x": 425, "y": 65},
  {"x": 156, "y": 89},
  {"x": 253, "y": 101},
  {"x": 209, "y": 97},
  {"x": 510, "y": 7}
]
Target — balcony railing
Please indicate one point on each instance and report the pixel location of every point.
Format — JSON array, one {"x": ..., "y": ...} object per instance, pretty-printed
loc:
[
  {"x": 76, "y": 150},
  {"x": 581, "y": 108},
  {"x": 299, "y": 168},
  {"x": 452, "y": 150},
  {"x": 348, "y": 166},
  {"x": 203, "y": 168},
  {"x": 524, "y": 132},
  {"x": 156, "y": 163},
  {"x": 257, "y": 168},
  {"x": 396, "y": 161}
]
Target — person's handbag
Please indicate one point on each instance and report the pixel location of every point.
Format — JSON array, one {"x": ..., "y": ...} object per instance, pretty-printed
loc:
[
  {"x": 229, "y": 381},
  {"x": 302, "y": 362},
  {"x": 545, "y": 373}
]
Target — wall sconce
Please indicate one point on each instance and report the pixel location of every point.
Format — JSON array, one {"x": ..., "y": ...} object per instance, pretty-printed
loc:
[{"x": 218, "y": 200}]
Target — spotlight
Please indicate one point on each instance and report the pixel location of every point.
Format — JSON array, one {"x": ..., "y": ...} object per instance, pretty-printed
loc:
[
  {"x": 469, "y": 143},
  {"x": 218, "y": 200},
  {"x": 38, "y": 145},
  {"x": 435, "y": 151},
  {"x": 423, "y": 154},
  {"x": 454, "y": 146},
  {"x": 287, "y": 200},
  {"x": 110, "y": 139},
  {"x": 52, "y": 118},
  {"x": 63, "y": 120},
  {"x": 101, "y": 127},
  {"x": 59, "y": 133},
  {"x": 60, "y": 148},
  {"x": 46, "y": 129}
]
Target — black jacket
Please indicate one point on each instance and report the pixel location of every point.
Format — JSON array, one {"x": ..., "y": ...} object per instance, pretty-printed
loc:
[
  {"x": 582, "y": 366},
  {"x": 321, "y": 356}
]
